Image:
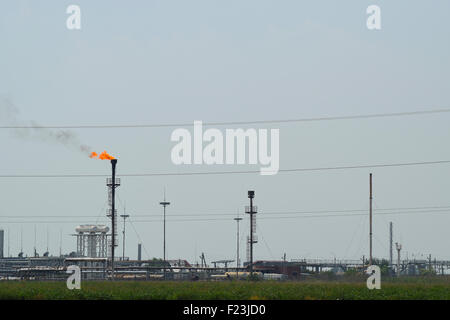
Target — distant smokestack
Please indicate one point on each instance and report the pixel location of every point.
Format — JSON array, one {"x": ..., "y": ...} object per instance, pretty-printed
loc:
[{"x": 139, "y": 251}]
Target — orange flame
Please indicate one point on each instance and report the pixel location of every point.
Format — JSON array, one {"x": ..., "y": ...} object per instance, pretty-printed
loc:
[{"x": 103, "y": 156}]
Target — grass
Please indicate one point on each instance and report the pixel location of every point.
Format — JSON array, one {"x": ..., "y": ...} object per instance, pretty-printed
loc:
[{"x": 311, "y": 290}]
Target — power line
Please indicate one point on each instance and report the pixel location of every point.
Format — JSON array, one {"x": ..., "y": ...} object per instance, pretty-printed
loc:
[
  {"x": 357, "y": 229},
  {"x": 265, "y": 213},
  {"x": 155, "y": 174},
  {"x": 262, "y": 218},
  {"x": 304, "y": 217},
  {"x": 162, "y": 125},
  {"x": 265, "y": 243}
]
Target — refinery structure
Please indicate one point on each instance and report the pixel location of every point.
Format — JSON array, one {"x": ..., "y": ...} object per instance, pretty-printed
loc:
[
  {"x": 92, "y": 241},
  {"x": 97, "y": 258}
]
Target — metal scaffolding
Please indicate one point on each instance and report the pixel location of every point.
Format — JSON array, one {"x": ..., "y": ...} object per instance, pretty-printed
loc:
[{"x": 92, "y": 241}]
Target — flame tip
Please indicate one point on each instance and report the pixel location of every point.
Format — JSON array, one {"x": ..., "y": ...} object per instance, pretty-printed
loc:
[{"x": 103, "y": 156}]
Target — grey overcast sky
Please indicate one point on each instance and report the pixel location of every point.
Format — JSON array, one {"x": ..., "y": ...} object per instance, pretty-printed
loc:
[{"x": 179, "y": 61}]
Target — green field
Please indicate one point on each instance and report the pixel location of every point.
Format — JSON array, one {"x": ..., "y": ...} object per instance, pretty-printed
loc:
[{"x": 311, "y": 290}]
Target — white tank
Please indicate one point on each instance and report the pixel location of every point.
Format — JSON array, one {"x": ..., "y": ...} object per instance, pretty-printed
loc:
[{"x": 91, "y": 228}]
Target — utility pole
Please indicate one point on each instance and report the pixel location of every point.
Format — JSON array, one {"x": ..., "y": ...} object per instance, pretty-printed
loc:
[
  {"x": 21, "y": 240},
  {"x": 391, "y": 235},
  {"x": 35, "y": 252},
  {"x": 370, "y": 213},
  {"x": 60, "y": 242},
  {"x": 47, "y": 239},
  {"x": 435, "y": 267},
  {"x": 251, "y": 210},
  {"x": 237, "y": 219},
  {"x": 429, "y": 262},
  {"x": 164, "y": 204},
  {"x": 8, "y": 243},
  {"x": 124, "y": 216},
  {"x": 399, "y": 248}
]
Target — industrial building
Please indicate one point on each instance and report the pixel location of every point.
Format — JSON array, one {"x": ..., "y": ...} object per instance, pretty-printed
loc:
[{"x": 292, "y": 270}]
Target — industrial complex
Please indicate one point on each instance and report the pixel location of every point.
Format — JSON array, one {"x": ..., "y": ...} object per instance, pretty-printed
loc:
[{"x": 95, "y": 255}]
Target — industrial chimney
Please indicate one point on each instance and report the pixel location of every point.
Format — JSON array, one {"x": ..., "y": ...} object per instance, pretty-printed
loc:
[
  {"x": 113, "y": 183},
  {"x": 139, "y": 257}
]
